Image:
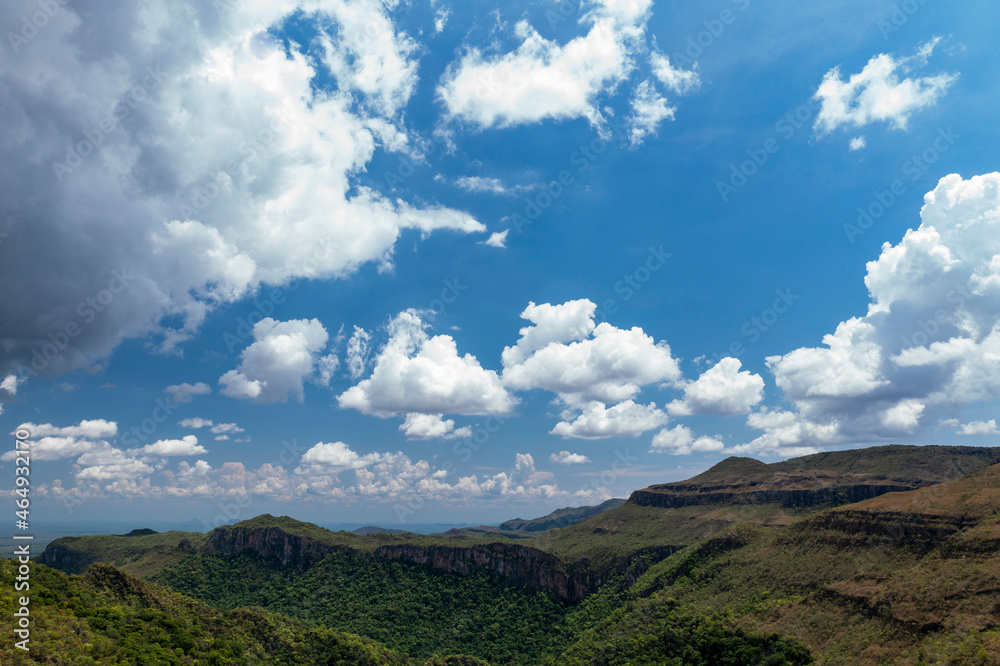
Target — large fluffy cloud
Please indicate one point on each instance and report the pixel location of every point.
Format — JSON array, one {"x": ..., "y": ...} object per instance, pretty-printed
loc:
[
  {"x": 187, "y": 157},
  {"x": 566, "y": 322},
  {"x": 722, "y": 390},
  {"x": 543, "y": 79},
  {"x": 282, "y": 356},
  {"x": 415, "y": 372},
  {"x": 335, "y": 456},
  {"x": 928, "y": 345},
  {"x": 881, "y": 91},
  {"x": 565, "y": 353}
]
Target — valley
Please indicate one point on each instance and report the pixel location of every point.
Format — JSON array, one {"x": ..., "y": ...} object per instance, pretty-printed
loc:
[{"x": 886, "y": 555}]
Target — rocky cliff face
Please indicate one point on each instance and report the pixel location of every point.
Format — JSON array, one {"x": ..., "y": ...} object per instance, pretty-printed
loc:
[
  {"x": 293, "y": 551},
  {"x": 914, "y": 531},
  {"x": 58, "y": 556},
  {"x": 520, "y": 565},
  {"x": 802, "y": 497}
]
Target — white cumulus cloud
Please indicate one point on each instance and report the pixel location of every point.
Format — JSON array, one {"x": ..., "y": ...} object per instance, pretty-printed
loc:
[
  {"x": 223, "y": 428},
  {"x": 565, "y": 353},
  {"x": 980, "y": 428},
  {"x": 497, "y": 239},
  {"x": 224, "y": 163},
  {"x": 597, "y": 421},
  {"x": 567, "y": 458},
  {"x": 108, "y": 464},
  {"x": 186, "y": 446},
  {"x": 431, "y": 426},
  {"x": 415, "y": 372},
  {"x": 567, "y": 322},
  {"x": 335, "y": 456},
  {"x": 358, "y": 352},
  {"x": 928, "y": 345},
  {"x": 275, "y": 366},
  {"x": 723, "y": 390},
  {"x": 89, "y": 429},
  {"x": 542, "y": 79},
  {"x": 681, "y": 441},
  {"x": 881, "y": 92}
]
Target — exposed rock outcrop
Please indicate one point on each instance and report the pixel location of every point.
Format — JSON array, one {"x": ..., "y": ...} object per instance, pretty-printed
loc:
[
  {"x": 520, "y": 565},
  {"x": 800, "y": 497},
  {"x": 65, "y": 558},
  {"x": 291, "y": 550},
  {"x": 851, "y": 529},
  {"x": 821, "y": 480}
]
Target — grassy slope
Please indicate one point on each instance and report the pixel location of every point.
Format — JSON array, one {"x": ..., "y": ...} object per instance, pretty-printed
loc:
[
  {"x": 876, "y": 582},
  {"x": 137, "y": 554},
  {"x": 629, "y": 527},
  {"x": 913, "y": 466},
  {"x": 926, "y": 464}
]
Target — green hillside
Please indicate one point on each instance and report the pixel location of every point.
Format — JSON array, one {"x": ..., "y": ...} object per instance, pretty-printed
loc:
[
  {"x": 109, "y": 617},
  {"x": 904, "y": 578}
]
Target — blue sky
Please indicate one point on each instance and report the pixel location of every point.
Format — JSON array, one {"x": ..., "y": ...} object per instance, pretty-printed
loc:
[{"x": 507, "y": 257}]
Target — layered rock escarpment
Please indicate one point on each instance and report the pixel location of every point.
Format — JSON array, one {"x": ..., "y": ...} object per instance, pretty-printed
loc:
[
  {"x": 61, "y": 555},
  {"x": 791, "y": 497},
  {"x": 522, "y": 566},
  {"x": 821, "y": 480},
  {"x": 291, "y": 550},
  {"x": 518, "y": 565}
]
